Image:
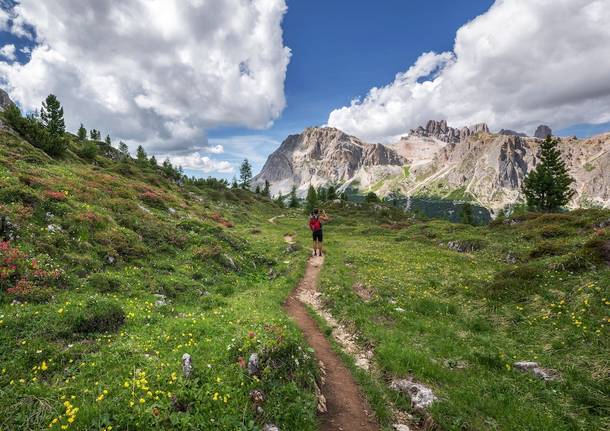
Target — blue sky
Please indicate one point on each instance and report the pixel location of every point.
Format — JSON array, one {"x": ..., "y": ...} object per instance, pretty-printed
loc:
[
  {"x": 340, "y": 49},
  {"x": 208, "y": 85}
]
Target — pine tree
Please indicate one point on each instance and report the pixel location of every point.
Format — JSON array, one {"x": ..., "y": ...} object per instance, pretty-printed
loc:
[
  {"x": 234, "y": 183},
  {"x": 153, "y": 161},
  {"x": 245, "y": 174},
  {"x": 123, "y": 149},
  {"x": 294, "y": 200},
  {"x": 321, "y": 194},
  {"x": 82, "y": 133},
  {"x": 548, "y": 187},
  {"x": 108, "y": 140},
  {"x": 95, "y": 135},
  {"x": 331, "y": 193},
  {"x": 52, "y": 116},
  {"x": 279, "y": 199},
  {"x": 311, "y": 201},
  {"x": 267, "y": 189},
  {"x": 466, "y": 214},
  {"x": 257, "y": 190},
  {"x": 371, "y": 197},
  {"x": 141, "y": 156}
]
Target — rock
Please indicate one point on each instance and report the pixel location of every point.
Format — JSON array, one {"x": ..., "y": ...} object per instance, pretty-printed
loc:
[
  {"x": 8, "y": 231},
  {"x": 187, "y": 365},
  {"x": 510, "y": 258},
  {"x": 54, "y": 228},
  {"x": 292, "y": 248},
  {"x": 546, "y": 374},
  {"x": 542, "y": 132},
  {"x": 401, "y": 427},
  {"x": 253, "y": 365},
  {"x": 399, "y": 309},
  {"x": 421, "y": 396},
  {"x": 143, "y": 208},
  {"x": 228, "y": 262},
  {"x": 171, "y": 211},
  {"x": 465, "y": 246},
  {"x": 110, "y": 259},
  {"x": 270, "y": 427},
  {"x": 5, "y": 100},
  {"x": 257, "y": 397},
  {"x": 161, "y": 300}
]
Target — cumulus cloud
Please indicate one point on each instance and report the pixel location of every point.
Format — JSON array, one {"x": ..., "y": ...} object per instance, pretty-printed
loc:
[
  {"x": 153, "y": 72},
  {"x": 198, "y": 162},
  {"x": 215, "y": 149},
  {"x": 520, "y": 64},
  {"x": 8, "y": 52}
]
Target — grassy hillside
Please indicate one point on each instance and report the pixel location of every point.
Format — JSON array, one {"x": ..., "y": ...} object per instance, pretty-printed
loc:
[
  {"x": 114, "y": 269},
  {"x": 533, "y": 288},
  {"x": 83, "y": 344}
]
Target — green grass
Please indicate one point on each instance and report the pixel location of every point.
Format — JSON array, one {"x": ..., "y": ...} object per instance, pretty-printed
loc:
[
  {"x": 434, "y": 307},
  {"x": 84, "y": 346}
]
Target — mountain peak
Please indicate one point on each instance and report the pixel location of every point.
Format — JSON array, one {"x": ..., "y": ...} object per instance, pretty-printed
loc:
[{"x": 441, "y": 131}]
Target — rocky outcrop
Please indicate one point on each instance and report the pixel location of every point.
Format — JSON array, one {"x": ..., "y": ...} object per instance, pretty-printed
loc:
[
  {"x": 441, "y": 131},
  {"x": 5, "y": 100},
  {"x": 542, "y": 132},
  {"x": 509, "y": 132}
]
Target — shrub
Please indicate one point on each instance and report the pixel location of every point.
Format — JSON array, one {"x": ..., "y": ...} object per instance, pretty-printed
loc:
[
  {"x": 153, "y": 199},
  {"x": 16, "y": 194},
  {"x": 515, "y": 284},
  {"x": 104, "y": 282},
  {"x": 548, "y": 248},
  {"x": 553, "y": 231},
  {"x": 98, "y": 315},
  {"x": 88, "y": 151},
  {"x": 27, "y": 278},
  {"x": 598, "y": 249},
  {"x": 55, "y": 196}
]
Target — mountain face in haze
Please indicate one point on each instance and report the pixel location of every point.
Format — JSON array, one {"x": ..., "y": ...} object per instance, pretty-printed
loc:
[{"x": 469, "y": 163}]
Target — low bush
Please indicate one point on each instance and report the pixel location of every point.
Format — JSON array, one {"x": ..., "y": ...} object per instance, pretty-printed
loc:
[
  {"x": 515, "y": 284},
  {"x": 104, "y": 282},
  {"x": 17, "y": 194},
  {"x": 548, "y": 248},
  {"x": 98, "y": 315}
]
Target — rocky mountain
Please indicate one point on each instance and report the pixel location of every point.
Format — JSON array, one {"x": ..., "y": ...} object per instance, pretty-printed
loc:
[
  {"x": 437, "y": 160},
  {"x": 320, "y": 156}
]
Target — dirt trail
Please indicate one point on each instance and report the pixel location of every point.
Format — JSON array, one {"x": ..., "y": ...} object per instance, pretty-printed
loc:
[{"x": 347, "y": 407}]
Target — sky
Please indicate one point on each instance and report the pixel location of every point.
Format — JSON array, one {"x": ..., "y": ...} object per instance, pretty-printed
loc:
[{"x": 208, "y": 83}]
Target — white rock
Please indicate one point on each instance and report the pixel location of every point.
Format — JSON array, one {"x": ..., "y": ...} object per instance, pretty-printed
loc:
[
  {"x": 187, "y": 365},
  {"x": 401, "y": 427},
  {"x": 420, "y": 395}
]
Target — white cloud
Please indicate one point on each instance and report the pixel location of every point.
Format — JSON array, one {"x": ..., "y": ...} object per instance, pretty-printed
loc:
[
  {"x": 216, "y": 149},
  {"x": 4, "y": 19},
  {"x": 154, "y": 72},
  {"x": 520, "y": 64},
  {"x": 197, "y": 162},
  {"x": 8, "y": 52}
]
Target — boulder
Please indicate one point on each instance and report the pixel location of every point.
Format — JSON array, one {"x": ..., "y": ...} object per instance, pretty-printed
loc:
[
  {"x": 543, "y": 131},
  {"x": 270, "y": 427},
  {"x": 421, "y": 396},
  {"x": 546, "y": 374},
  {"x": 253, "y": 365},
  {"x": 187, "y": 365}
]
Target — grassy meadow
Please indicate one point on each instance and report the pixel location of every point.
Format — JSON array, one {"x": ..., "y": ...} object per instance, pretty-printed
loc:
[{"x": 113, "y": 271}]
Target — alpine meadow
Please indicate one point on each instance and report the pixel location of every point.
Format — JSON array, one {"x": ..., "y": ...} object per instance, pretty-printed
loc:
[{"x": 204, "y": 227}]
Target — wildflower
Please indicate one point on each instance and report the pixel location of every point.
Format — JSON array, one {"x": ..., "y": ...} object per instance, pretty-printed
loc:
[{"x": 43, "y": 366}]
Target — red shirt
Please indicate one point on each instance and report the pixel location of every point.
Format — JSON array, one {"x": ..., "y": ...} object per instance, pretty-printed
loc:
[{"x": 315, "y": 224}]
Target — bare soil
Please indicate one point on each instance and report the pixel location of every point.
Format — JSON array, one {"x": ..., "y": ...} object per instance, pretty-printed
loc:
[{"x": 347, "y": 408}]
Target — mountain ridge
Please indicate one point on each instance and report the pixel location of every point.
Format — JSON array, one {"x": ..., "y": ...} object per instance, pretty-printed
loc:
[{"x": 470, "y": 163}]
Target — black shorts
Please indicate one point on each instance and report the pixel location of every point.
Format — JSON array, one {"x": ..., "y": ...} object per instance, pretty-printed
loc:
[{"x": 317, "y": 235}]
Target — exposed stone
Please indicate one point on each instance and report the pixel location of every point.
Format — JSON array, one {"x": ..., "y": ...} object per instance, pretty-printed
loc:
[
  {"x": 421, "y": 396},
  {"x": 270, "y": 427},
  {"x": 253, "y": 365},
  {"x": 161, "y": 300},
  {"x": 257, "y": 397},
  {"x": 5, "y": 100},
  {"x": 535, "y": 369},
  {"x": 54, "y": 228},
  {"x": 543, "y": 131},
  {"x": 464, "y": 246},
  {"x": 187, "y": 365},
  {"x": 171, "y": 211},
  {"x": 401, "y": 427},
  {"x": 8, "y": 231}
]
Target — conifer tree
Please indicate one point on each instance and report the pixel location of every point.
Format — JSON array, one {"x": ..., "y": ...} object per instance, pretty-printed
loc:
[
  {"x": 234, "y": 183},
  {"x": 245, "y": 174},
  {"x": 82, "y": 133},
  {"x": 371, "y": 197},
  {"x": 52, "y": 116},
  {"x": 279, "y": 199},
  {"x": 108, "y": 140},
  {"x": 311, "y": 201},
  {"x": 331, "y": 193},
  {"x": 548, "y": 187},
  {"x": 294, "y": 200},
  {"x": 141, "y": 156},
  {"x": 267, "y": 189},
  {"x": 257, "y": 190},
  {"x": 153, "y": 161},
  {"x": 123, "y": 148}
]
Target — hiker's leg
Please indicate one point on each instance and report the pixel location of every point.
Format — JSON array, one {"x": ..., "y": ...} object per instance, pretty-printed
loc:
[{"x": 315, "y": 247}]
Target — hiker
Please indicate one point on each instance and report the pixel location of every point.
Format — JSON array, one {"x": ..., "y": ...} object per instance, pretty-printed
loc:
[{"x": 315, "y": 224}]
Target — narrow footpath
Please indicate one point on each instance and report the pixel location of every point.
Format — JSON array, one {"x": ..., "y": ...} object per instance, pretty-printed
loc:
[{"x": 347, "y": 409}]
